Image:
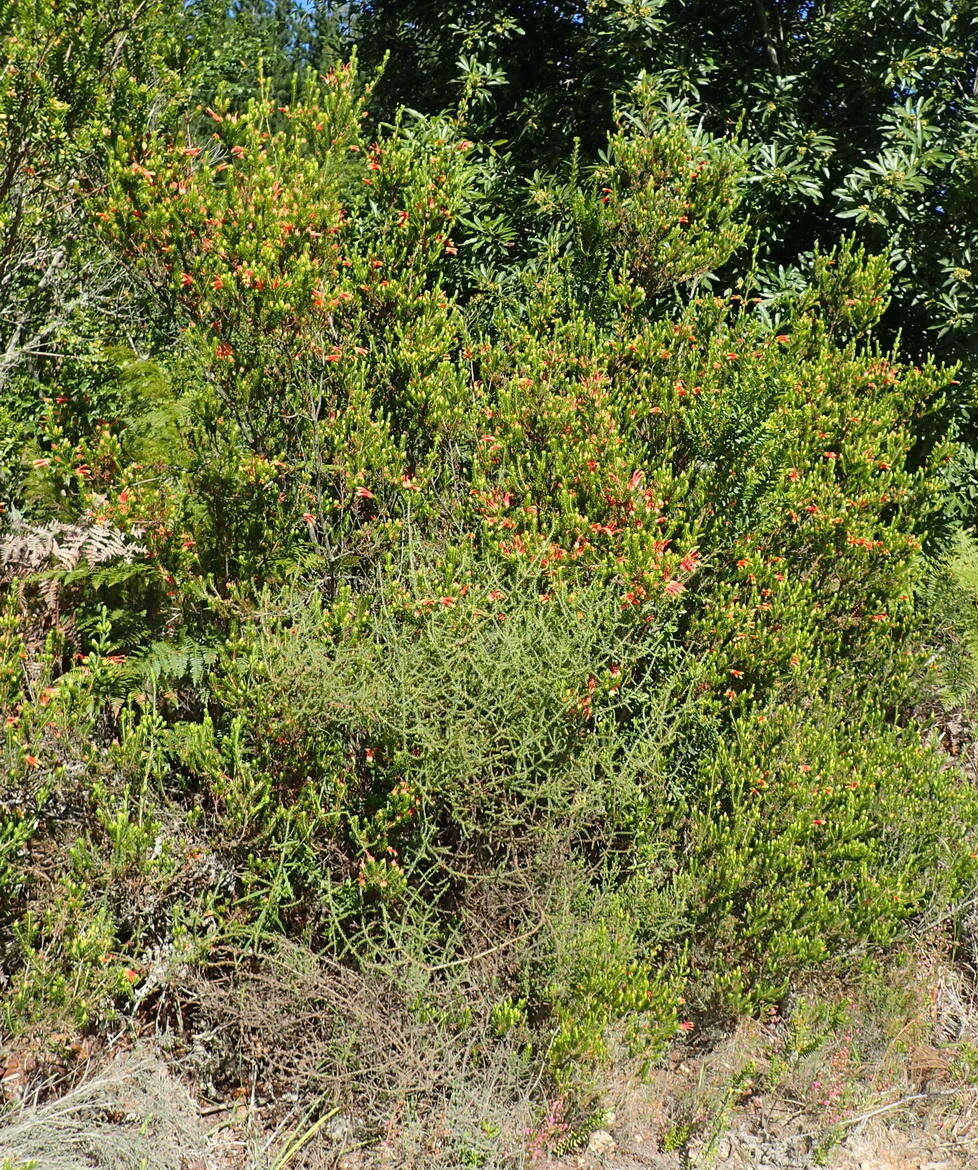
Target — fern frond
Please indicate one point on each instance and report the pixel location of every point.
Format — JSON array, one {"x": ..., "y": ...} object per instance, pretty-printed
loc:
[
  {"x": 31, "y": 548},
  {"x": 171, "y": 662}
]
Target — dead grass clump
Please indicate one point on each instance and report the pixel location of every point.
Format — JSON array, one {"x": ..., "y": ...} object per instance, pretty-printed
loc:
[
  {"x": 404, "y": 1073},
  {"x": 128, "y": 1116}
]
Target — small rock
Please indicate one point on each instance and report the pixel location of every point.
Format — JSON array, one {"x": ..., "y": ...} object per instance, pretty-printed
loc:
[
  {"x": 339, "y": 1128},
  {"x": 601, "y": 1143}
]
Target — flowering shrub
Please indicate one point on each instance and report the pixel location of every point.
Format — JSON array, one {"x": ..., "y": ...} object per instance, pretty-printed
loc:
[
  {"x": 563, "y": 647},
  {"x": 300, "y": 259}
]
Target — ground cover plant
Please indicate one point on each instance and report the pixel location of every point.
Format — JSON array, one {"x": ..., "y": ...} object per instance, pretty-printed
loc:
[{"x": 443, "y": 647}]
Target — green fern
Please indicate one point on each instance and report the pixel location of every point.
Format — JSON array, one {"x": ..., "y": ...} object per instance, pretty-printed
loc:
[{"x": 169, "y": 662}]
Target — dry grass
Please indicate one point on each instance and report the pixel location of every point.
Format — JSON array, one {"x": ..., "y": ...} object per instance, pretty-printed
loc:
[
  {"x": 348, "y": 1064},
  {"x": 130, "y": 1115},
  {"x": 322, "y": 1068}
]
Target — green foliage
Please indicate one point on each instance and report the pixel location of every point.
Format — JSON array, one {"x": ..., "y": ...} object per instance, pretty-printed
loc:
[
  {"x": 423, "y": 574},
  {"x": 950, "y": 591},
  {"x": 813, "y": 840},
  {"x": 658, "y": 210},
  {"x": 72, "y": 72},
  {"x": 856, "y": 117}
]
